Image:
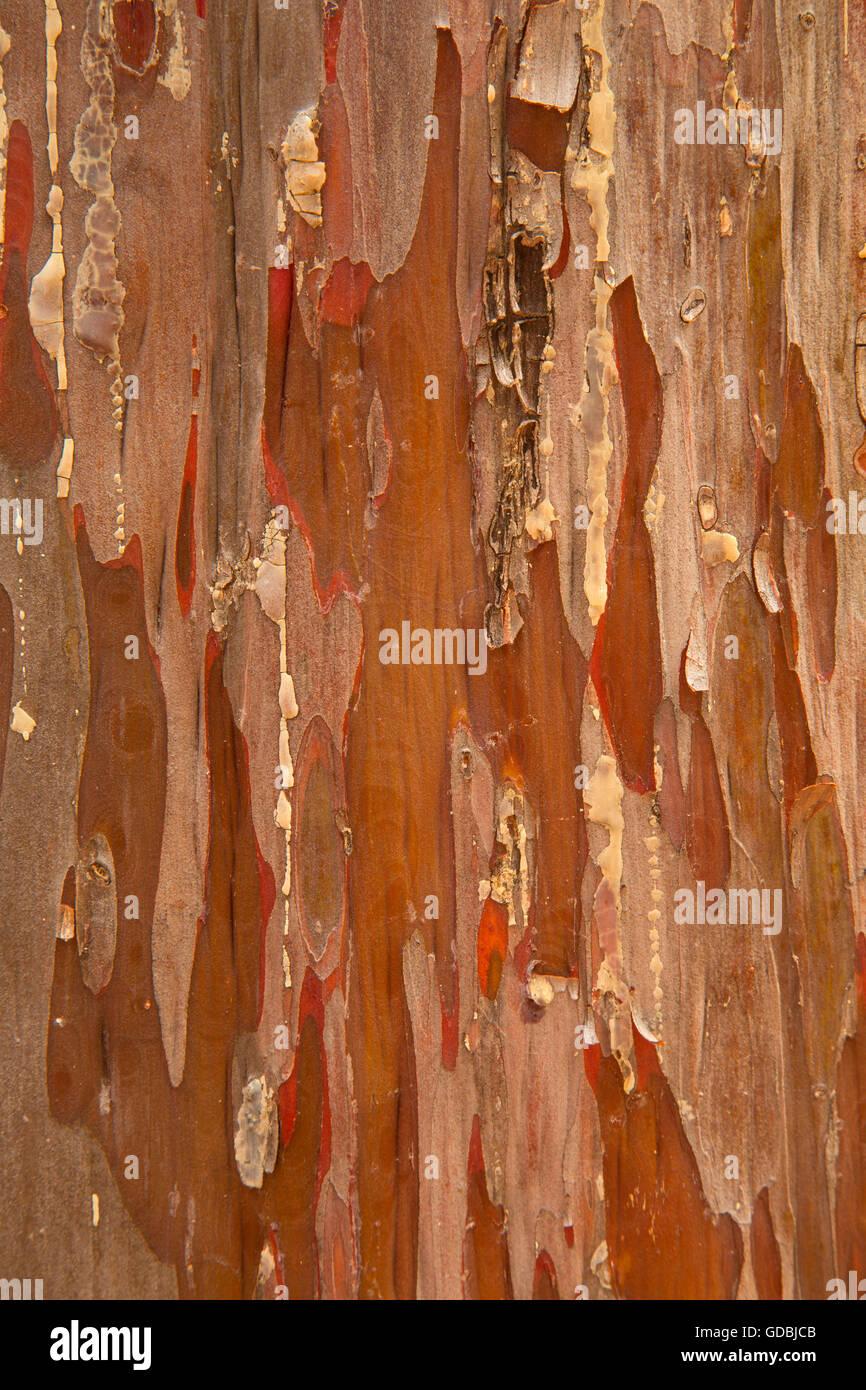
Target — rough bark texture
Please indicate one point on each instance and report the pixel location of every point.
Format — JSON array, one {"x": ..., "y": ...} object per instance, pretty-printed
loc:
[{"x": 344, "y": 960}]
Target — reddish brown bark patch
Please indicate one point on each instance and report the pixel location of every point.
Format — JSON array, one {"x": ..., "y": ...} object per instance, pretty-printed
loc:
[
  {"x": 135, "y": 33},
  {"x": 305, "y": 1129},
  {"x": 766, "y": 1259},
  {"x": 653, "y": 1196},
  {"x": 539, "y": 132},
  {"x": 799, "y": 768},
  {"x": 800, "y": 465},
  {"x": 281, "y": 285},
  {"x": 532, "y": 686},
  {"x": 28, "y": 414},
  {"x": 345, "y": 292},
  {"x": 544, "y": 1284},
  {"x": 184, "y": 543},
  {"x": 486, "y": 1266},
  {"x": 626, "y": 656},
  {"x": 707, "y": 837}
]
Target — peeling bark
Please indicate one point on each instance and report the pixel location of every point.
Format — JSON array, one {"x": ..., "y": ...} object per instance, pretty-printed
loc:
[{"x": 431, "y": 648}]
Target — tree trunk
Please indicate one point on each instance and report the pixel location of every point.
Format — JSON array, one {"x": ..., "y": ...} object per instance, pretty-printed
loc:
[{"x": 431, "y": 648}]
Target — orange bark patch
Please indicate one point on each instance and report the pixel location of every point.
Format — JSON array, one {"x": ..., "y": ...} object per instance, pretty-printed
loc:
[{"x": 492, "y": 946}]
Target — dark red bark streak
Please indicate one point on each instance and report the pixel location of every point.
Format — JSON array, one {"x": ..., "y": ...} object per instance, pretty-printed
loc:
[{"x": 28, "y": 413}]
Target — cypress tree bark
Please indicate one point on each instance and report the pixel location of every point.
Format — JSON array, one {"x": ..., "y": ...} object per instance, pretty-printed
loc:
[{"x": 431, "y": 649}]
